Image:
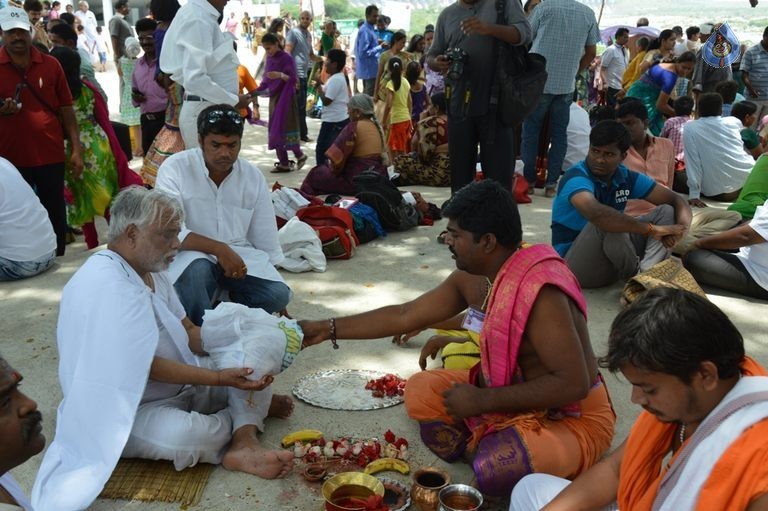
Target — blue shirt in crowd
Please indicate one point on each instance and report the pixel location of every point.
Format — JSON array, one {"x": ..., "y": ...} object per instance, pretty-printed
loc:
[
  {"x": 567, "y": 222},
  {"x": 367, "y": 51}
]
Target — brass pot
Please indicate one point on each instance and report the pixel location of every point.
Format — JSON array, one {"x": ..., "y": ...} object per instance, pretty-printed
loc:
[{"x": 427, "y": 483}]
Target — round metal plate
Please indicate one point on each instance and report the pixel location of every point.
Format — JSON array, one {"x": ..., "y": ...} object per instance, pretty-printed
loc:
[{"x": 342, "y": 389}]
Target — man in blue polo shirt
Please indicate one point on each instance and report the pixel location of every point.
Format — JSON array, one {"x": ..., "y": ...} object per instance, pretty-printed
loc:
[{"x": 590, "y": 231}]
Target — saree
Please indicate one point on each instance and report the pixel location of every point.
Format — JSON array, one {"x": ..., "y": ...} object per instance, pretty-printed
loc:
[
  {"x": 648, "y": 88},
  {"x": 507, "y": 447},
  {"x": 738, "y": 476},
  {"x": 427, "y": 166},
  {"x": 755, "y": 190},
  {"x": 169, "y": 141},
  {"x": 322, "y": 179},
  {"x": 283, "y": 114}
]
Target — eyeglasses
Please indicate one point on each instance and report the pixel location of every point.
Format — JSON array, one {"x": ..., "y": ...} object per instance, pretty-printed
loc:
[{"x": 215, "y": 116}]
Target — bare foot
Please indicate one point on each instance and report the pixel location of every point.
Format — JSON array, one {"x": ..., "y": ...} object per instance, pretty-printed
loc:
[
  {"x": 247, "y": 455},
  {"x": 281, "y": 406}
]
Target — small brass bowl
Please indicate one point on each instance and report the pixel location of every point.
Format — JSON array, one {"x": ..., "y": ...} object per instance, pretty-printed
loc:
[
  {"x": 350, "y": 485},
  {"x": 314, "y": 472}
]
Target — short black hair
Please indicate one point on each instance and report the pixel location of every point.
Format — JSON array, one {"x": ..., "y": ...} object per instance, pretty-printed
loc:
[
  {"x": 727, "y": 89},
  {"x": 765, "y": 32},
  {"x": 742, "y": 109},
  {"x": 33, "y": 5},
  {"x": 270, "y": 38},
  {"x": 146, "y": 25},
  {"x": 601, "y": 113},
  {"x": 687, "y": 56},
  {"x": 55, "y": 3},
  {"x": 632, "y": 107},
  {"x": 369, "y": 10},
  {"x": 68, "y": 18},
  {"x": 164, "y": 10},
  {"x": 678, "y": 30},
  {"x": 691, "y": 31},
  {"x": 120, "y": 4},
  {"x": 69, "y": 60},
  {"x": 710, "y": 104},
  {"x": 683, "y": 105},
  {"x": 485, "y": 207},
  {"x": 65, "y": 31},
  {"x": 673, "y": 331},
  {"x": 643, "y": 43},
  {"x": 338, "y": 57},
  {"x": 610, "y": 132},
  {"x": 621, "y": 31},
  {"x": 221, "y": 119}
]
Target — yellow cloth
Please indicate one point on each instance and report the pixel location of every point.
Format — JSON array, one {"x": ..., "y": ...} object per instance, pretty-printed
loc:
[
  {"x": 632, "y": 73},
  {"x": 461, "y": 355}
]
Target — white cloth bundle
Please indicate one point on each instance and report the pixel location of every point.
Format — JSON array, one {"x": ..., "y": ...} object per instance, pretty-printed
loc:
[{"x": 301, "y": 247}]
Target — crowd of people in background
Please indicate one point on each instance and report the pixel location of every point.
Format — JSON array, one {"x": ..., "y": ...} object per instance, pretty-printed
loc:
[{"x": 633, "y": 139}]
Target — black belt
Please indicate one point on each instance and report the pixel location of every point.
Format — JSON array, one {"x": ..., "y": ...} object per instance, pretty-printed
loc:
[
  {"x": 190, "y": 97},
  {"x": 154, "y": 116}
]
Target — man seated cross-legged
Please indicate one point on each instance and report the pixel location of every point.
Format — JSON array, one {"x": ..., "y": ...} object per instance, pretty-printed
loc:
[
  {"x": 535, "y": 401},
  {"x": 699, "y": 444}
]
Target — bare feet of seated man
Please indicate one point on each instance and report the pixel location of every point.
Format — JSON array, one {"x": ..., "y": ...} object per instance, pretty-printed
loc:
[
  {"x": 281, "y": 406},
  {"x": 246, "y": 454}
]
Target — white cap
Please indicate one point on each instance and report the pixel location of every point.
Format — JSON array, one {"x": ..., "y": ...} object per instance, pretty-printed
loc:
[
  {"x": 13, "y": 17},
  {"x": 706, "y": 28}
]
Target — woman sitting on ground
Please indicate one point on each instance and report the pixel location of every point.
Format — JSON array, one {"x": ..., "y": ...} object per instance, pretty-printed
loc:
[
  {"x": 428, "y": 164},
  {"x": 744, "y": 272},
  {"x": 655, "y": 86},
  {"x": 359, "y": 146}
]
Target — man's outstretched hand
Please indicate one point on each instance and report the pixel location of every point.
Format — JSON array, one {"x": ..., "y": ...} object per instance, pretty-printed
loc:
[
  {"x": 237, "y": 377},
  {"x": 315, "y": 332}
]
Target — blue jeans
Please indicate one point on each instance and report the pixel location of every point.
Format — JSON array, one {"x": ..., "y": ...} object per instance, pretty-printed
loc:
[
  {"x": 197, "y": 287},
  {"x": 328, "y": 133},
  {"x": 559, "y": 108},
  {"x": 17, "y": 270}
]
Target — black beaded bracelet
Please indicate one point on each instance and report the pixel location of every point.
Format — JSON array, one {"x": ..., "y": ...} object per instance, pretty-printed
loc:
[{"x": 332, "y": 332}]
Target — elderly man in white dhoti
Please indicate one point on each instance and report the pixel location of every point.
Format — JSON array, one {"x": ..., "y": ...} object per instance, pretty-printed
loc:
[
  {"x": 131, "y": 383},
  {"x": 229, "y": 238}
]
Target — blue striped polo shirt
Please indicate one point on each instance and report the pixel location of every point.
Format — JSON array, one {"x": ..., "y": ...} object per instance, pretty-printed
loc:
[{"x": 755, "y": 62}]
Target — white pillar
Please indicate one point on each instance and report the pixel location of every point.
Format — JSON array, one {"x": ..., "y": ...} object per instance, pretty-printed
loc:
[{"x": 108, "y": 11}]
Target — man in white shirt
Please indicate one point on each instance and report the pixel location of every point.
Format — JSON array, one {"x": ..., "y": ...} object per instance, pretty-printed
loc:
[
  {"x": 131, "y": 385},
  {"x": 27, "y": 240},
  {"x": 613, "y": 64},
  {"x": 229, "y": 240},
  {"x": 200, "y": 58},
  {"x": 88, "y": 20},
  {"x": 715, "y": 160},
  {"x": 335, "y": 97},
  {"x": 578, "y": 136},
  {"x": 20, "y": 429}
]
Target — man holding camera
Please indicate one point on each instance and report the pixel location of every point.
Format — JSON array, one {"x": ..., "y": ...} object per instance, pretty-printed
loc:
[{"x": 466, "y": 35}]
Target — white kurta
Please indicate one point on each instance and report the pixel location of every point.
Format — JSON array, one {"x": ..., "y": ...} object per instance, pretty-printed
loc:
[
  {"x": 239, "y": 212},
  {"x": 12, "y": 487},
  {"x": 106, "y": 338}
]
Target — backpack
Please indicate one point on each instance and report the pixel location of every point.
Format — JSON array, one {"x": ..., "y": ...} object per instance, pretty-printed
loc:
[
  {"x": 377, "y": 191},
  {"x": 334, "y": 227}
]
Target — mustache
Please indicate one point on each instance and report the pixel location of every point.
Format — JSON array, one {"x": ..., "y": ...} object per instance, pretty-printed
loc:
[{"x": 30, "y": 424}]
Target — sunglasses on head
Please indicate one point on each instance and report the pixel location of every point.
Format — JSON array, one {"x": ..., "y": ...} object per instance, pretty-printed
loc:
[{"x": 215, "y": 116}]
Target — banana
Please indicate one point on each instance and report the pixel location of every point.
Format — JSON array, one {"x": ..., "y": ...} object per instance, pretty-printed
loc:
[
  {"x": 382, "y": 464},
  {"x": 304, "y": 435}
]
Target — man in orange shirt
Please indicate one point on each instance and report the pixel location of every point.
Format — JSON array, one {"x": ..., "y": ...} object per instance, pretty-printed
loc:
[{"x": 704, "y": 402}]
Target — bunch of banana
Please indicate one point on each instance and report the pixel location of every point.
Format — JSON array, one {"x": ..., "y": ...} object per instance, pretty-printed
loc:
[
  {"x": 382, "y": 464},
  {"x": 303, "y": 436}
]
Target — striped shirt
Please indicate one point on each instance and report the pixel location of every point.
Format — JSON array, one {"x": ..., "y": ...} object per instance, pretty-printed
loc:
[
  {"x": 755, "y": 62},
  {"x": 561, "y": 30}
]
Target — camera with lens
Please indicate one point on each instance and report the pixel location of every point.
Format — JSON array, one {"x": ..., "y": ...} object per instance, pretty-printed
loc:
[{"x": 456, "y": 60}]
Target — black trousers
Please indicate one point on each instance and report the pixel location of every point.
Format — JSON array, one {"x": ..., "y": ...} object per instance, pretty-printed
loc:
[
  {"x": 151, "y": 124},
  {"x": 301, "y": 106},
  {"x": 497, "y": 155},
  {"x": 48, "y": 183}
]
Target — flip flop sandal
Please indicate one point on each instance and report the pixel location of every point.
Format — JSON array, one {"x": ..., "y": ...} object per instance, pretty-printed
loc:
[
  {"x": 279, "y": 168},
  {"x": 301, "y": 161}
]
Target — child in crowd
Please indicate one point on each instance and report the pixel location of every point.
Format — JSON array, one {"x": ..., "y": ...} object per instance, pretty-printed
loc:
[
  {"x": 397, "y": 112},
  {"x": 129, "y": 114},
  {"x": 729, "y": 90},
  {"x": 746, "y": 111},
  {"x": 673, "y": 130},
  {"x": 101, "y": 48},
  {"x": 419, "y": 97}
]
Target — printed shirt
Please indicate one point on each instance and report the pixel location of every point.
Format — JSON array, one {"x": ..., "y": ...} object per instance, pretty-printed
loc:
[
  {"x": 673, "y": 130},
  {"x": 561, "y": 30},
  {"x": 567, "y": 222}
]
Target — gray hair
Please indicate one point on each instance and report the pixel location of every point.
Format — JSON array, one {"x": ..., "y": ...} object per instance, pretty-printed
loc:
[
  {"x": 364, "y": 104},
  {"x": 138, "y": 206}
]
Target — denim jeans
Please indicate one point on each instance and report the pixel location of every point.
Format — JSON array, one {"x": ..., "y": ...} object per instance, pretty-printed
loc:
[
  {"x": 17, "y": 270},
  {"x": 198, "y": 285},
  {"x": 559, "y": 108},
  {"x": 301, "y": 106},
  {"x": 328, "y": 133}
]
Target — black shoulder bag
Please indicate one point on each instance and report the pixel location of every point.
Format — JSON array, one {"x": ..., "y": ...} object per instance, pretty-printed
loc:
[{"x": 520, "y": 78}]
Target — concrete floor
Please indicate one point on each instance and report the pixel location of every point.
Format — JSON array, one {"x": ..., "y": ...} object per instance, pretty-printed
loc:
[{"x": 389, "y": 270}]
